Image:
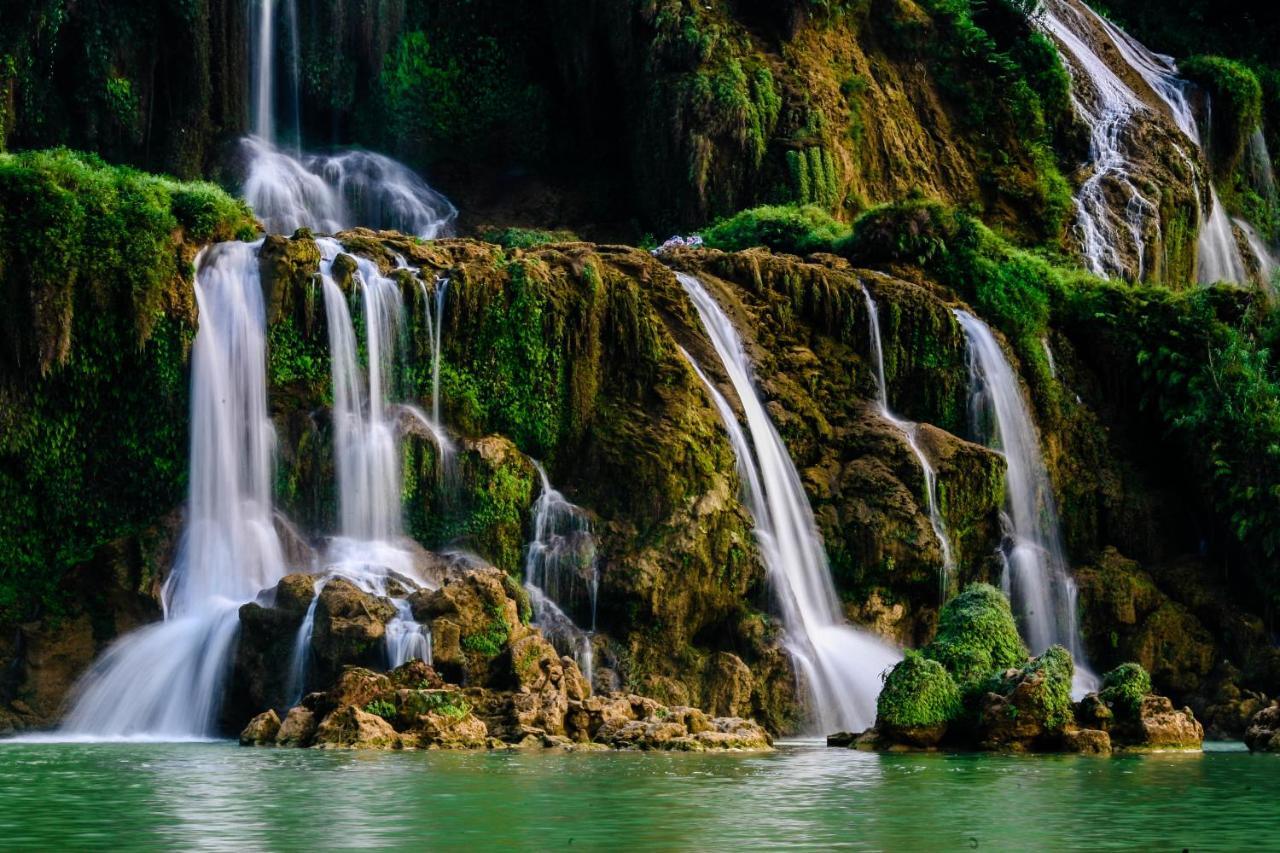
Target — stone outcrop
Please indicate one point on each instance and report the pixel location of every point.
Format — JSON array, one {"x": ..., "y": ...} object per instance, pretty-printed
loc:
[
  {"x": 1263, "y": 734},
  {"x": 501, "y": 685}
]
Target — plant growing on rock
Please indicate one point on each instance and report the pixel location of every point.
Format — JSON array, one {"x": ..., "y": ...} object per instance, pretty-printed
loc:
[
  {"x": 917, "y": 693},
  {"x": 977, "y": 636},
  {"x": 1124, "y": 688}
]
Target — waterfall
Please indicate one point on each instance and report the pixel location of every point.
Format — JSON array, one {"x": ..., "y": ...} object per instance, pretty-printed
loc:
[
  {"x": 909, "y": 430},
  {"x": 1036, "y": 578},
  {"x": 165, "y": 680},
  {"x": 561, "y": 574},
  {"x": 1109, "y": 108},
  {"x": 324, "y": 192},
  {"x": 840, "y": 666}
]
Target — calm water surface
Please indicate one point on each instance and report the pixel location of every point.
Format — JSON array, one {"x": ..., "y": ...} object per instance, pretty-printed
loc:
[{"x": 224, "y": 797}]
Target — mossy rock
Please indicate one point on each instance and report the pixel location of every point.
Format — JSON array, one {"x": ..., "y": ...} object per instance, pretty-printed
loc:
[
  {"x": 977, "y": 636},
  {"x": 919, "y": 700}
]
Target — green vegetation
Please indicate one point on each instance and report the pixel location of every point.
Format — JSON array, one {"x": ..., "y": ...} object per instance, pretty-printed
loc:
[
  {"x": 98, "y": 317},
  {"x": 1124, "y": 688},
  {"x": 381, "y": 708},
  {"x": 797, "y": 230},
  {"x": 1236, "y": 96},
  {"x": 490, "y": 641},
  {"x": 524, "y": 238},
  {"x": 917, "y": 692},
  {"x": 977, "y": 636},
  {"x": 1052, "y": 697}
]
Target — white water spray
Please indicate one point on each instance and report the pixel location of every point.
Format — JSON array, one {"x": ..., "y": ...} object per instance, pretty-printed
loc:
[
  {"x": 327, "y": 193},
  {"x": 166, "y": 680},
  {"x": 840, "y": 666},
  {"x": 1039, "y": 585},
  {"x": 909, "y": 430},
  {"x": 562, "y": 575}
]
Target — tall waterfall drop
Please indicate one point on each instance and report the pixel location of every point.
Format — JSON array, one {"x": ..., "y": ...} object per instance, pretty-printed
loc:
[
  {"x": 909, "y": 431},
  {"x": 165, "y": 681},
  {"x": 288, "y": 189},
  {"x": 1037, "y": 580},
  {"x": 840, "y": 666},
  {"x": 1109, "y": 106}
]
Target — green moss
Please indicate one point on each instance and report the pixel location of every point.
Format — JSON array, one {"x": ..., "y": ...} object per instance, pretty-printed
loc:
[
  {"x": 381, "y": 708},
  {"x": 1236, "y": 97},
  {"x": 96, "y": 320},
  {"x": 490, "y": 641},
  {"x": 797, "y": 230},
  {"x": 1124, "y": 688},
  {"x": 524, "y": 238},
  {"x": 917, "y": 692},
  {"x": 1052, "y": 699},
  {"x": 977, "y": 635}
]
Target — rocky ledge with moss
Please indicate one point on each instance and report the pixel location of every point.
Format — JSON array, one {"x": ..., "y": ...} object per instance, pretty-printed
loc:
[
  {"x": 495, "y": 681},
  {"x": 975, "y": 688}
]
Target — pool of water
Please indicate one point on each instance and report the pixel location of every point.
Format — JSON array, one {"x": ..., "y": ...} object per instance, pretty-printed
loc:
[{"x": 222, "y": 796}]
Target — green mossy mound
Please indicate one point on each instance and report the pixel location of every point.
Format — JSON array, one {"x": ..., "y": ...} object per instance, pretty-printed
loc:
[
  {"x": 797, "y": 230},
  {"x": 1124, "y": 687},
  {"x": 917, "y": 693},
  {"x": 977, "y": 636}
]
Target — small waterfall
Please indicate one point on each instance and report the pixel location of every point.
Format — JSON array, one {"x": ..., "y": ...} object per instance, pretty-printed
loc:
[
  {"x": 908, "y": 430},
  {"x": 327, "y": 193},
  {"x": 435, "y": 334},
  {"x": 1036, "y": 578},
  {"x": 840, "y": 666},
  {"x": 1109, "y": 109},
  {"x": 562, "y": 575},
  {"x": 165, "y": 680},
  {"x": 301, "y": 655}
]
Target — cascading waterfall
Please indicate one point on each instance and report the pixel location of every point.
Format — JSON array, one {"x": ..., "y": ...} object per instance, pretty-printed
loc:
[
  {"x": 367, "y": 451},
  {"x": 908, "y": 430},
  {"x": 1109, "y": 109},
  {"x": 290, "y": 190},
  {"x": 165, "y": 681},
  {"x": 561, "y": 574},
  {"x": 1039, "y": 585},
  {"x": 840, "y": 666}
]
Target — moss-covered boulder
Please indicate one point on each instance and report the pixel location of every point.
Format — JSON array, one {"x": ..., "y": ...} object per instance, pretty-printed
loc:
[
  {"x": 1263, "y": 734},
  {"x": 977, "y": 636},
  {"x": 1029, "y": 707},
  {"x": 919, "y": 700}
]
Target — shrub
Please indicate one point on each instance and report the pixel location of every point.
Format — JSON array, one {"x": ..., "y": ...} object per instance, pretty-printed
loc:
[
  {"x": 917, "y": 692},
  {"x": 1124, "y": 688},
  {"x": 797, "y": 230},
  {"x": 381, "y": 708},
  {"x": 1236, "y": 98},
  {"x": 524, "y": 238},
  {"x": 977, "y": 635},
  {"x": 491, "y": 640}
]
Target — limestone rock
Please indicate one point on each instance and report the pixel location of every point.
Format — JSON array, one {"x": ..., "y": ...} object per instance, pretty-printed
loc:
[
  {"x": 1160, "y": 727},
  {"x": 1263, "y": 734},
  {"x": 351, "y": 727},
  {"x": 298, "y": 728},
  {"x": 261, "y": 730},
  {"x": 474, "y": 617},
  {"x": 1087, "y": 741},
  {"x": 349, "y": 629}
]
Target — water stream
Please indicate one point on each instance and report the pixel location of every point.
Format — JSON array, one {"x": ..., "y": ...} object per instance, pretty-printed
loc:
[
  {"x": 839, "y": 666},
  {"x": 1039, "y": 585},
  {"x": 909, "y": 433}
]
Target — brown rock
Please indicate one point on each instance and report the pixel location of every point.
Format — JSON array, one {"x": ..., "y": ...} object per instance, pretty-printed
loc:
[
  {"x": 729, "y": 686},
  {"x": 1087, "y": 741},
  {"x": 349, "y": 629},
  {"x": 261, "y": 730},
  {"x": 1263, "y": 733},
  {"x": 353, "y": 728},
  {"x": 298, "y": 728},
  {"x": 1160, "y": 727}
]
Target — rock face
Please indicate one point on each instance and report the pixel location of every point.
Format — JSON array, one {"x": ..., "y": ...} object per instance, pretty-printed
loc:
[
  {"x": 515, "y": 689},
  {"x": 350, "y": 629},
  {"x": 1263, "y": 734}
]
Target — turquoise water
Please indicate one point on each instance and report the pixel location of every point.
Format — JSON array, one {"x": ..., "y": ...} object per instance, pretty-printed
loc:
[{"x": 223, "y": 797}]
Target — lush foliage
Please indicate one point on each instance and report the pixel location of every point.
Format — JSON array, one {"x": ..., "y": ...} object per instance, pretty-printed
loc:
[
  {"x": 1052, "y": 672},
  {"x": 977, "y": 635},
  {"x": 917, "y": 692},
  {"x": 1124, "y": 688},
  {"x": 524, "y": 238},
  {"x": 1236, "y": 97},
  {"x": 797, "y": 230},
  {"x": 490, "y": 641},
  {"x": 97, "y": 319}
]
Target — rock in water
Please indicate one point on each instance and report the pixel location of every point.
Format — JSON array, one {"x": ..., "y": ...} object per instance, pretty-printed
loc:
[
  {"x": 298, "y": 728},
  {"x": 261, "y": 730},
  {"x": 352, "y": 728},
  {"x": 1263, "y": 734}
]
